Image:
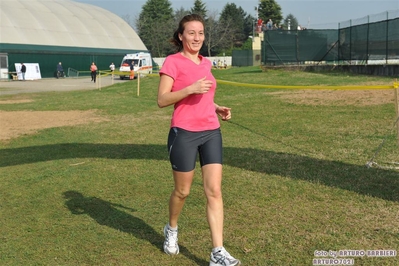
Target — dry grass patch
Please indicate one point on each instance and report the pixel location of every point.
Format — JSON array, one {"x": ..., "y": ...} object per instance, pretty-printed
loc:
[
  {"x": 338, "y": 97},
  {"x": 16, "y": 101},
  {"x": 15, "y": 124}
]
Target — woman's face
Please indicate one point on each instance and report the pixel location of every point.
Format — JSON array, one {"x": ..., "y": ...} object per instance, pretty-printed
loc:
[{"x": 193, "y": 36}]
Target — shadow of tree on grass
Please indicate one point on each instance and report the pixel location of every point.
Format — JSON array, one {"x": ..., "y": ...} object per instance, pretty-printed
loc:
[{"x": 379, "y": 183}]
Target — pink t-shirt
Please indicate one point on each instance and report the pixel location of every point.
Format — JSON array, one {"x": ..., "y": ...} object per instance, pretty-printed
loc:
[{"x": 196, "y": 112}]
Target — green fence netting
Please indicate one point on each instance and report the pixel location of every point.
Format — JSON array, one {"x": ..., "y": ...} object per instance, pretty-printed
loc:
[
  {"x": 243, "y": 57},
  {"x": 280, "y": 47},
  {"x": 367, "y": 43},
  {"x": 371, "y": 41}
]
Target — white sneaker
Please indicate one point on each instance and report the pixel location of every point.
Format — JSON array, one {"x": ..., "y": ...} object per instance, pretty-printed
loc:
[
  {"x": 170, "y": 245},
  {"x": 222, "y": 257}
]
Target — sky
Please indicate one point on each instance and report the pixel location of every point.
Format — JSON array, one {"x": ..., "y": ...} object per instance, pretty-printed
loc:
[{"x": 320, "y": 14}]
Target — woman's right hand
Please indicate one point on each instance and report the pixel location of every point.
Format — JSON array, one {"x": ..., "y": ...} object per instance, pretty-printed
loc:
[{"x": 201, "y": 86}]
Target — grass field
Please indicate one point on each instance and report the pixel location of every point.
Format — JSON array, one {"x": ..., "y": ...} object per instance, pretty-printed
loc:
[{"x": 295, "y": 180}]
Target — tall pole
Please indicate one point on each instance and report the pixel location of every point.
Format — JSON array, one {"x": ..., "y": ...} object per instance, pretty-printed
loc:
[
  {"x": 138, "y": 84},
  {"x": 257, "y": 10},
  {"x": 396, "y": 88},
  {"x": 350, "y": 43},
  {"x": 387, "y": 40},
  {"x": 253, "y": 31}
]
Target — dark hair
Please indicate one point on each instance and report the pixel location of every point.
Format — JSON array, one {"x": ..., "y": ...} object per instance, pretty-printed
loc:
[{"x": 176, "y": 40}]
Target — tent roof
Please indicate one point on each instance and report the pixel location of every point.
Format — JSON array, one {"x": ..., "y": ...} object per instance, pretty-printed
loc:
[{"x": 64, "y": 23}]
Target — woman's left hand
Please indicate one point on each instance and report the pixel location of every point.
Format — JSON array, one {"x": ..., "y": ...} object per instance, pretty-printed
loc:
[{"x": 224, "y": 112}]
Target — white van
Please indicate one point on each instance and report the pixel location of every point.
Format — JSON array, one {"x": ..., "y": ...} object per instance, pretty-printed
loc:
[{"x": 142, "y": 63}]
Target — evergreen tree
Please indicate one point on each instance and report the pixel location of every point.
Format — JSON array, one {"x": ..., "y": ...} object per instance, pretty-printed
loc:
[
  {"x": 157, "y": 21},
  {"x": 155, "y": 26},
  {"x": 270, "y": 9},
  {"x": 233, "y": 20},
  {"x": 199, "y": 8},
  {"x": 249, "y": 25},
  {"x": 292, "y": 21}
]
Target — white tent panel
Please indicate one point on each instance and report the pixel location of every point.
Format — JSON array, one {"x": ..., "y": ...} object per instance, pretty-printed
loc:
[{"x": 64, "y": 23}]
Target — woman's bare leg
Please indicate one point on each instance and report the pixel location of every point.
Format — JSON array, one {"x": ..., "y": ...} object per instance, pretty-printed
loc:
[
  {"x": 212, "y": 178},
  {"x": 183, "y": 181}
]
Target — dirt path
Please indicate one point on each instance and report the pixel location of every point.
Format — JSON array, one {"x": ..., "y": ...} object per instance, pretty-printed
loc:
[
  {"x": 53, "y": 84},
  {"x": 15, "y": 124}
]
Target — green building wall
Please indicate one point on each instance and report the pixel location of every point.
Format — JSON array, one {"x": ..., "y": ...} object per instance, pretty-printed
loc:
[{"x": 78, "y": 58}]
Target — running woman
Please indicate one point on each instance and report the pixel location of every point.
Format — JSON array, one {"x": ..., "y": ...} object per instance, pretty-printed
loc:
[{"x": 187, "y": 83}]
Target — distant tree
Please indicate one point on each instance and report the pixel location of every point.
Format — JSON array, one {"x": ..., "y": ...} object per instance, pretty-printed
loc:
[
  {"x": 199, "y": 8},
  {"x": 216, "y": 35},
  {"x": 157, "y": 21},
  {"x": 292, "y": 20},
  {"x": 155, "y": 26},
  {"x": 249, "y": 25},
  {"x": 233, "y": 20},
  {"x": 179, "y": 14},
  {"x": 247, "y": 45},
  {"x": 270, "y": 9}
]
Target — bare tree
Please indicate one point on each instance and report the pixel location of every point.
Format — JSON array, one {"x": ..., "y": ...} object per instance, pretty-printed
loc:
[{"x": 217, "y": 35}]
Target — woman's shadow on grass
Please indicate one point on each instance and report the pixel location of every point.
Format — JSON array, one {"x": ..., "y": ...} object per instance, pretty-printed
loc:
[{"x": 115, "y": 216}]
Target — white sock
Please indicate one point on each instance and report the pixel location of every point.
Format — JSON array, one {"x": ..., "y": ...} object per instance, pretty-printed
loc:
[
  {"x": 172, "y": 228},
  {"x": 217, "y": 249}
]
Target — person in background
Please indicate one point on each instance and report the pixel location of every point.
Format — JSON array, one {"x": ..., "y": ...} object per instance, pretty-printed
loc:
[
  {"x": 264, "y": 26},
  {"x": 23, "y": 70},
  {"x": 60, "y": 70},
  {"x": 220, "y": 64},
  {"x": 112, "y": 68},
  {"x": 131, "y": 76},
  {"x": 259, "y": 26},
  {"x": 93, "y": 70},
  {"x": 269, "y": 24},
  {"x": 187, "y": 83}
]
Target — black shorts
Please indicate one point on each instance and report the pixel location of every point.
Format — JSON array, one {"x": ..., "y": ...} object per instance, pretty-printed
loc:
[{"x": 183, "y": 147}]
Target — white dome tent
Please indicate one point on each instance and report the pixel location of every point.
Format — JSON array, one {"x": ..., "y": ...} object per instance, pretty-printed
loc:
[{"x": 63, "y": 28}]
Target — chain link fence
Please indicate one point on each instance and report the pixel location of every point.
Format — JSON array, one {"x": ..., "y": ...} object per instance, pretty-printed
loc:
[{"x": 370, "y": 40}]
